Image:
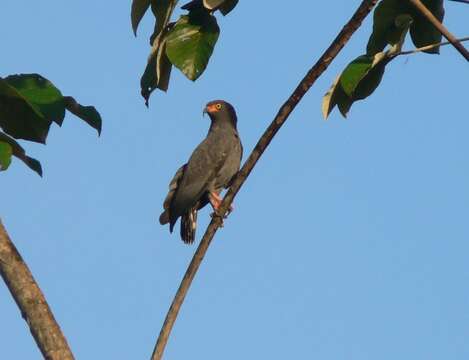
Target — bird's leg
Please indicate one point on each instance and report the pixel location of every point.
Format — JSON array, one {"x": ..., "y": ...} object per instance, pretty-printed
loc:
[{"x": 215, "y": 200}]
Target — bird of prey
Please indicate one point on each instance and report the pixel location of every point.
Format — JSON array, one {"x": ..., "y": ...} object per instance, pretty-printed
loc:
[{"x": 211, "y": 167}]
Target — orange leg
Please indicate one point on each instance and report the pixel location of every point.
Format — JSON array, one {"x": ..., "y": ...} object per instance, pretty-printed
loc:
[{"x": 215, "y": 200}]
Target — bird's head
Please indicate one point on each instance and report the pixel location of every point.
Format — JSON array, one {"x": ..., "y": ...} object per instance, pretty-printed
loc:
[{"x": 221, "y": 111}]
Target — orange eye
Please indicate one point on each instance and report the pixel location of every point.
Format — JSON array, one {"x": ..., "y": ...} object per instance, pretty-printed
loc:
[{"x": 218, "y": 106}]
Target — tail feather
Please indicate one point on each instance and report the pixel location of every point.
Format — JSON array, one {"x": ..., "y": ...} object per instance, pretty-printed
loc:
[
  {"x": 164, "y": 217},
  {"x": 188, "y": 226}
]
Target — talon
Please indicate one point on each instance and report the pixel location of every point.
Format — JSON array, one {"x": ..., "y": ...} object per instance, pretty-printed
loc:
[
  {"x": 212, "y": 215},
  {"x": 230, "y": 210}
]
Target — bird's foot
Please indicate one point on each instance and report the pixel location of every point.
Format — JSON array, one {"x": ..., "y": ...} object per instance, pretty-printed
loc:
[
  {"x": 230, "y": 210},
  {"x": 215, "y": 201},
  {"x": 216, "y": 214}
]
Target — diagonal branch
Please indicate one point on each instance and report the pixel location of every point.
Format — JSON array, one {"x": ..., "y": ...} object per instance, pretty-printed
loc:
[
  {"x": 321, "y": 65},
  {"x": 31, "y": 301},
  {"x": 440, "y": 27},
  {"x": 461, "y": 1}
]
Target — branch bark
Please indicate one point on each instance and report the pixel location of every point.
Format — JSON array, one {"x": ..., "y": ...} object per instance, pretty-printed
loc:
[
  {"x": 285, "y": 110},
  {"x": 31, "y": 302},
  {"x": 440, "y": 27}
]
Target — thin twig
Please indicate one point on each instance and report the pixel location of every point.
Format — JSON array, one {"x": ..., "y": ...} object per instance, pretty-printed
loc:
[
  {"x": 31, "y": 302},
  {"x": 429, "y": 47},
  {"x": 321, "y": 65},
  {"x": 461, "y": 1},
  {"x": 440, "y": 27}
]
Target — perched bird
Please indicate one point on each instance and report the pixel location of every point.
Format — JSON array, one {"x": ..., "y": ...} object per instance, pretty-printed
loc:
[{"x": 211, "y": 167}]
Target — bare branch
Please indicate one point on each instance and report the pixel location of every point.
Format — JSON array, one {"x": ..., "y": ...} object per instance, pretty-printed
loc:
[
  {"x": 440, "y": 27},
  {"x": 29, "y": 298},
  {"x": 321, "y": 65},
  {"x": 461, "y": 1},
  {"x": 428, "y": 47}
]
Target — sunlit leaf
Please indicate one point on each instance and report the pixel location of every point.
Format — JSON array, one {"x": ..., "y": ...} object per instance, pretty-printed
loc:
[
  {"x": 41, "y": 93},
  {"x": 18, "y": 151},
  {"x": 386, "y": 29},
  {"x": 191, "y": 41},
  {"x": 5, "y": 155},
  {"x": 158, "y": 70},
  {"x": 358, "y": 81},
  {"x": 20, "y": 118},
  {"x": 162, "y": 9}
]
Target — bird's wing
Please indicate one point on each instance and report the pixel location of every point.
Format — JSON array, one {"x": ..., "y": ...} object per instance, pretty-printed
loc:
[
  {"x": 173, "y": 185},
  {"x": 237, "y": 156},
  {"x": 201, "y": 170}
]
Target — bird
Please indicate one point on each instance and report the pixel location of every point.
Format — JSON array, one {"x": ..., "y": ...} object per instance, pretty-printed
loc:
[{"x": 211, "y": 167}]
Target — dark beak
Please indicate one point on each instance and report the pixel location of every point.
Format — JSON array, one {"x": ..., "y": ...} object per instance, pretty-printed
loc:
[{"x": 204, "y": 112}]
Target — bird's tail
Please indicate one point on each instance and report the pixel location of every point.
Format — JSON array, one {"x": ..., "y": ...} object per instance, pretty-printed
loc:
[{"x": 189, "y": 225}]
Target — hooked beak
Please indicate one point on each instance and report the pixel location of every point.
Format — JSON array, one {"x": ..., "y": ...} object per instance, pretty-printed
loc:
[{"x": 210, "y": 109}]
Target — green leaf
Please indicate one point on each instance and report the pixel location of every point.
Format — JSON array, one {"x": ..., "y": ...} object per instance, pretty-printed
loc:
[
  {"x": 158, "y": 70},
  {"x": 138, "y": 10},
  {"x": 422, "y": 32},
  {"x": 384, "y": 27},
  {"x": 89, "y": 114},
  {"x": 5, "y": 155},
  {"x": 228, "y": 6},
  {"x": 358, "y": 81},
  {"x": 191, "y": 41},
  {"x": 336, "y": 96},
  {"x": 41, "y": 93},
  {"x": 162, "y": 9},
  {"x": 20, "y": 118},
  {"x": 354, "y": 73},
  {"x": 19, "y": 152}
]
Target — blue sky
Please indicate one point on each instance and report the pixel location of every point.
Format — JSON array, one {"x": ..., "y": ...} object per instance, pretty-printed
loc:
[{"x": 349, "y": 240}]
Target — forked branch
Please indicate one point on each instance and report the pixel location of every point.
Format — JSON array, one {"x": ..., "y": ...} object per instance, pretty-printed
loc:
[{"x": 319, "y": 67}]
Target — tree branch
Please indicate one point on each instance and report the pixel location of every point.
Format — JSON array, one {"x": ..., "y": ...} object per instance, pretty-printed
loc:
[
  {"x": 428, "y": 47},
  {"x": 321, "y": 65},
  {"x": 31, "y": 301},
  {"x": 461, "y": 1},
  {"x": 440, "y": 27}
]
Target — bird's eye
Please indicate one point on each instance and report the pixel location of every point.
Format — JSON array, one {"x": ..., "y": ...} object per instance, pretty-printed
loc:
[{"x": 218, "y": 106}]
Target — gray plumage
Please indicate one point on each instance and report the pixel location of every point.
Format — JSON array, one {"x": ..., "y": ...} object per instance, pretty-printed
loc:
[{"x": 211, "y": 167}]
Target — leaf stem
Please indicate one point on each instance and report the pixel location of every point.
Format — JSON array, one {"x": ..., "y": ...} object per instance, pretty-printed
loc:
[
  {"x": 285, "y": 110},
  {"x": 461, "y": 1},
  {"x": 429, "y": 47}
]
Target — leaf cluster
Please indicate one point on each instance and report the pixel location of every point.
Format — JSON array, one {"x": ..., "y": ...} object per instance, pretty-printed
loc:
[
  {"x": 392, "y": 21},
  {"x": 29, "y": 104},
  {"x": 187, "y": 43}
]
